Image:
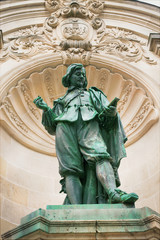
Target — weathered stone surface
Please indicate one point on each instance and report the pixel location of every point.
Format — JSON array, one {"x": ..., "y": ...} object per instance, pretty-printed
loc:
[
  {"x": 154, "y": 43},
  {"x": 116, "y": 221}
]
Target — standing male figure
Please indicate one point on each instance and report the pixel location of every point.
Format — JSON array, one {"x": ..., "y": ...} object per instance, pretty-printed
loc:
[{"x": 89, "y": 141}]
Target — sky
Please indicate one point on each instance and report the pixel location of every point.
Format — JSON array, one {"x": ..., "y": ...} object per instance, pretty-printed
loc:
[{"x": 154, "y": 2}]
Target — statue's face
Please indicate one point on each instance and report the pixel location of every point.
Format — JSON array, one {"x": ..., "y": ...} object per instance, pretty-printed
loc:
[{"x": 77, "y": 78}]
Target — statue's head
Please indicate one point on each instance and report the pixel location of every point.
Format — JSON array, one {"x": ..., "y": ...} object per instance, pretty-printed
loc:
[{"x": 75, "y": 76}]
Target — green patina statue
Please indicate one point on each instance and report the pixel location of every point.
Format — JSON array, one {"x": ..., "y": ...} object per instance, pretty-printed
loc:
[{"x": 89, "y": 141}]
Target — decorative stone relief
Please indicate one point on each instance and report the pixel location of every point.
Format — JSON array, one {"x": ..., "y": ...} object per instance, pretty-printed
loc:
[
  {"x": 75, "y": 29},
  {"x": 81, "y": 22},
  {"x": 26, "y": 43},
  {"x": 125, "y": 95},
  {"x": 28, "y": 99},
  {"x": 123, "y": 44},
  {"x": 139, "y": 116},
  {"x": 49, "y": 81},
  {"x": 95, "y": 6},
  {"x": 14, "y": 117},
  {"x": 136, "y": 109},
  {"x": 53, "y": 5}
]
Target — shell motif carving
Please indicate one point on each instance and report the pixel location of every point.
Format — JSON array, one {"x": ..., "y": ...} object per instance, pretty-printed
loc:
[{"x": 22, "y": 119}]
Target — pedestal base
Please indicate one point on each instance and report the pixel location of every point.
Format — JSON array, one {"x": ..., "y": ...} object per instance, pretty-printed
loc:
[{"x": 88, "y": 222}]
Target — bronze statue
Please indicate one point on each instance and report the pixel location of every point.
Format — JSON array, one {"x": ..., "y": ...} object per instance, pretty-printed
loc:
[{"x": 89, "y": 141}]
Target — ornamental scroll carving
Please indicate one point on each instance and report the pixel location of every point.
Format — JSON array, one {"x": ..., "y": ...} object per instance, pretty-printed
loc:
[
  {"x": 23, "y": 121},
  {"x": 79, "y": 26}
]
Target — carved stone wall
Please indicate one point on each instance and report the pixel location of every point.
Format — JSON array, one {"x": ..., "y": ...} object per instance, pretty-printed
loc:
[
  {"x": 76, "y": 30},
  {"x": 40, "y": 39}
]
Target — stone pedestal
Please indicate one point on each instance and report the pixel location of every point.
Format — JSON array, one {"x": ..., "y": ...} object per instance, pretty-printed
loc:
[{"x": 88, "y": 222}]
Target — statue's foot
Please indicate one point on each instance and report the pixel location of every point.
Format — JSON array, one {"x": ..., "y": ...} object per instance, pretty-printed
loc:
[{"x": 118, "y": 196}]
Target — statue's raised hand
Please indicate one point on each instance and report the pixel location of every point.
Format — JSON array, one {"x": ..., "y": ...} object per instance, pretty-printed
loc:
[{"x": 40, "y": 103}]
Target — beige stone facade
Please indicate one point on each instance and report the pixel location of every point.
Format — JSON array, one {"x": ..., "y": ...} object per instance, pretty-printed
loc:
[{"x": 39, "y": 41}]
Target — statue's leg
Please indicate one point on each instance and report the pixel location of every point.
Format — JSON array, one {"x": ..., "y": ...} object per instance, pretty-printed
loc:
[
  {"x": 74, "y": 189},
  {"x": 66, "y": 201},
  {"x": 94, "y": 149},
  {"x": 105, "y": 175},
  {"x": 70, "y": 160},
  {"x": 90, "y": 188}
]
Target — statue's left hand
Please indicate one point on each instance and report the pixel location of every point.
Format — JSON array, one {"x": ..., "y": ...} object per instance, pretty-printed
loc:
[
  {"x": 40, "y": 103},
  {"x": 110, "y": 111}
]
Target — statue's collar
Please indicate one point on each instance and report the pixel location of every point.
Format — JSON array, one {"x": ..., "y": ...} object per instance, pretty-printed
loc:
[{"x": 71, "y": 88}]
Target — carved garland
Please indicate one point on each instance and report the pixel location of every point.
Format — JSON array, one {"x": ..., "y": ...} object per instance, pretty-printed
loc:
[
  {"x": 76, "y": 31},
  {"x": 28, "y": 99},
  {"x": 14, "y": 117}
]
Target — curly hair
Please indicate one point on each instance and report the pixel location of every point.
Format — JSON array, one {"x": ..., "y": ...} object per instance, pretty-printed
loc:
[{"x": 70, "y": 71}]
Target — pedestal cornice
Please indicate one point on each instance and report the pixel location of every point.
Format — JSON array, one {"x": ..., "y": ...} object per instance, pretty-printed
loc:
[{"x": 115, "y": 221}]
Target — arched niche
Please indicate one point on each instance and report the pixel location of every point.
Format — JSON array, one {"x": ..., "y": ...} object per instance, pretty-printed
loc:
[{"x": 22, "y": 120}]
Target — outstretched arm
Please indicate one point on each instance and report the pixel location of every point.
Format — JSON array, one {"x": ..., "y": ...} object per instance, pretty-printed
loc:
[
  {"x": 40, "y": 103},
  {"x": 48, "y": 115}
]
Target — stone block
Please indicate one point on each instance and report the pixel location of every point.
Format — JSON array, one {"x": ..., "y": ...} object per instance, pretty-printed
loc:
[
  {"x": 13, "y": 212},
  {"x": 14, "y": 192},
  {"x": 40, "y": 200},
  {"x": 29, "y": 180},
  {"x": 6, "y": 226},
  {"x": 3, "y": 167}
]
